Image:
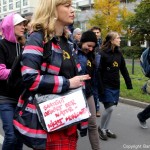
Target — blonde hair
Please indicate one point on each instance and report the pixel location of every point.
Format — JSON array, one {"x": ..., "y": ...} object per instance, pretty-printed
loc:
[{"x": 45, "y": 16}]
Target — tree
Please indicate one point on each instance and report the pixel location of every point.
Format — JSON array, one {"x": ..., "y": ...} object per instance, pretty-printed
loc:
[
  {"x": 140, "y": 22},
  {"x": 109, "y": 16},
  {"x": 127, "y": 1}
]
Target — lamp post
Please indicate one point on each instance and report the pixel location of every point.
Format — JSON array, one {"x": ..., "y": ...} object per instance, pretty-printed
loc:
[{"x": 130, "y": 32}]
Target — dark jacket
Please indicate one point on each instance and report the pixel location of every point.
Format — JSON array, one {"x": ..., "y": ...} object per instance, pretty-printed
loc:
[
  {"x": 7, "y": 57},
  {"x": 9, "y": 49},
  {"x": 87, "y": 65},
  {"x": 110, "y": 65},
  {"x": 41, "y": 77},
  {"x": 32, "y": 61}
]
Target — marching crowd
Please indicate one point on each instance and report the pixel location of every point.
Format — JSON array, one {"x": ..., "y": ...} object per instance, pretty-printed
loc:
[{"x": 92, "y": 63}]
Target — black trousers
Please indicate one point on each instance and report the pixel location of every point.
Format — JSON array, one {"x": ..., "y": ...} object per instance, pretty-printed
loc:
[{"x": 145, "y": 114}]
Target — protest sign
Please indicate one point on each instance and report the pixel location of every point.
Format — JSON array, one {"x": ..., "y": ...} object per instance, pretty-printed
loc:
[{"x": 64, "y": 110}]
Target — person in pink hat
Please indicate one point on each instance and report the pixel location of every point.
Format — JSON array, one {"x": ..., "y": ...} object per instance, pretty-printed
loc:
[{"x": 12, "y": 28}]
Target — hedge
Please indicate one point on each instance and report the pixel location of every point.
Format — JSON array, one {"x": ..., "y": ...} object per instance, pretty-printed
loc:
[{"x": 132, "y": 51}]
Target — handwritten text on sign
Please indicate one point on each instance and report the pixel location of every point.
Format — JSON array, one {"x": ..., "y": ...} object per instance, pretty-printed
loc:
[{"x": 63, "y": 111}]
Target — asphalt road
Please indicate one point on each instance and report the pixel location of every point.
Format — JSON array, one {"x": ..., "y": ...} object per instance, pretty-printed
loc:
[{"x": 130, "y": 136}]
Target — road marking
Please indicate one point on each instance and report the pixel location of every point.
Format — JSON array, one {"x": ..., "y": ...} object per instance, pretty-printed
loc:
[{"x": 1, "y": 139}]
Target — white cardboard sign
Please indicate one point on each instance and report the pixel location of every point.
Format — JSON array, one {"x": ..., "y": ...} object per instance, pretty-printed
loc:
[{"x": 63, "y": 111}]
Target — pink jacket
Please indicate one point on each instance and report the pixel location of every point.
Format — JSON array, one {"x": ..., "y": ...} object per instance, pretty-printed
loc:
[{"x": 7, "y": 28}]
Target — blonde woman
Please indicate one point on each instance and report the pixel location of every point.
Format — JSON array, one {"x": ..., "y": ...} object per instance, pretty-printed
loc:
[{"x": 60, "y": 73}]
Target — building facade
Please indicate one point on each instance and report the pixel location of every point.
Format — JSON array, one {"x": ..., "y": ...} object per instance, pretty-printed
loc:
[
  {"x": 84, "y": 10},
  {"x": 24, "y": 7}
]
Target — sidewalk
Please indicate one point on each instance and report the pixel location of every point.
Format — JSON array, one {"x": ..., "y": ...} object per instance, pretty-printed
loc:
[{"x": 133, "y": 102}]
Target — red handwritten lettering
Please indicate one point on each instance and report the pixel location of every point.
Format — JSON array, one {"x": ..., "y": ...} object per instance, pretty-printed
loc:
[
  {"x": 51, "y": 111},
  {"x": 57, "y": 115},
  {"x": 55, "y": 124},
  {"x": 75, "y": 115},
  {"x": 70, "y": 103},
  {"x": 55, "y": 103},
  {"x": 63, "y": 112},
  {"x": 66, "y": 111}
]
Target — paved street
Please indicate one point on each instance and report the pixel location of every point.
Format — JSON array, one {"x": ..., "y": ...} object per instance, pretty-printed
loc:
[{"x": 125, "y": 125}]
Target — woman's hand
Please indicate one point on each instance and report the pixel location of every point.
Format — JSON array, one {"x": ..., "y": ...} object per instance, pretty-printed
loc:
[{"x": 78, "y": 81}]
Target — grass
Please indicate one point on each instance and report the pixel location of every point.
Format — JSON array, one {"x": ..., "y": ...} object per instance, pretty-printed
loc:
[{"x": 138, "y": 80}]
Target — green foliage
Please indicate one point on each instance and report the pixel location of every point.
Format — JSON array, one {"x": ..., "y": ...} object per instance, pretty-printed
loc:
[
  {"x": 123, "y": 42},
  {"x": 138, "y": 80},
  {"x": 140, "y": 22},
  {"x": 132, "y": 51},
  {"x": 142, "y": 17},
  {"x": 109, "y": 16},
  {"x": 128, "y": 1},
  {"x": 100, "y": 21}
]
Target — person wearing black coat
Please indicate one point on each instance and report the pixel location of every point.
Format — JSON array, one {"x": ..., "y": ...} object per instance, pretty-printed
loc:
[{"x": 112, "y": 62}]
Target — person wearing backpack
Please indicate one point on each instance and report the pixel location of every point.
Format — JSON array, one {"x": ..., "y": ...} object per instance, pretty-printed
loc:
[
  {"x": 12, "y": 28},
  {"x": 145, "y": 65},
  {"x": 145, "y": 114},
  {"x": 145, "y": 62},
  {"x": 58, "y": 74}
]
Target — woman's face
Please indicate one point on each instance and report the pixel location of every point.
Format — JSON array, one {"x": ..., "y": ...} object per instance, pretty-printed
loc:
[
  {"x": 65, "y": 14},
  {"x": 116, "y": 41},
  {"x": 88, "y": 47},
  {"x": 19, "y": 29}
]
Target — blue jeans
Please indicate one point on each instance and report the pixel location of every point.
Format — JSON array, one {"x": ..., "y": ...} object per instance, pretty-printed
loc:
[{"x": 10, "y": 141}]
